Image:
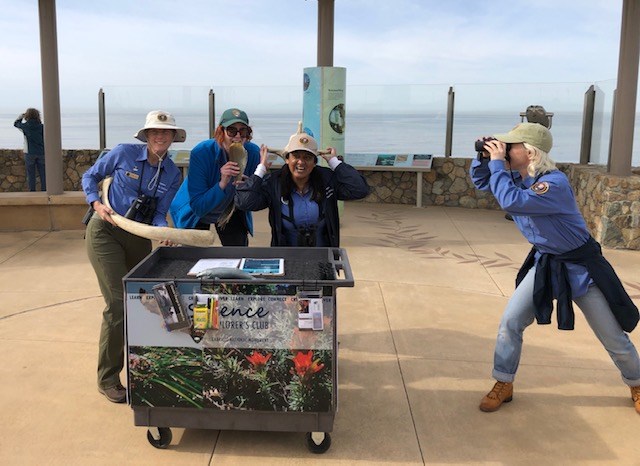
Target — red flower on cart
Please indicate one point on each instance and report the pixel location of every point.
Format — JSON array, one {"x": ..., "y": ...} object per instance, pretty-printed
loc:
[
  {"x": 305, "y": 366},
  {"x": 258, "y": 360}
]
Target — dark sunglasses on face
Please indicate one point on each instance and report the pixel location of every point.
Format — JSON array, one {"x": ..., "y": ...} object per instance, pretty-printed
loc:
[{"x": 232, "y": 131}]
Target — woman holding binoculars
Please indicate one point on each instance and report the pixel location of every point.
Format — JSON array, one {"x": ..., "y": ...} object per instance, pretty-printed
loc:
[
  {"x": 144, "y": 182},
  {"x": 565, "y": 263}
]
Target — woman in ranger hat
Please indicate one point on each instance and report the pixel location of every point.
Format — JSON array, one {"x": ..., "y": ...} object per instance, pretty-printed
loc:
[
  {"x": 565, "y": 263},
  {"x": 302, "y": 197},
  {"x": 144, "y": 183},
  {"x": 206, "y": 195}
]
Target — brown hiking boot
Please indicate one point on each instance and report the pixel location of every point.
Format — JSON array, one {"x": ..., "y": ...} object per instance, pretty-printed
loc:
[
  {"x": 502, "y": 392},
  {"x": 635, "y": 396},
  {"x": 116, "y": 394}
]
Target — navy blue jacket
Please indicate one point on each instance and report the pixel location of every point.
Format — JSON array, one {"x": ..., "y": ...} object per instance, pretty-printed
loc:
[
  {"x": 33, "y": 136},
  {"x": 590, "y": 256},
  {"x": 345, "y": 183}
]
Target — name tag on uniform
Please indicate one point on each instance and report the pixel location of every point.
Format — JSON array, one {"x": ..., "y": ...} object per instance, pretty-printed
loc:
[{"x": 134, "y": 176}]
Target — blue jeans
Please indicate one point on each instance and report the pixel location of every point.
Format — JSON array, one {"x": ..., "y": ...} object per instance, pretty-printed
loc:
[
  {"x": 32, "y": 162},
  {"x": 519, "y": 314}
]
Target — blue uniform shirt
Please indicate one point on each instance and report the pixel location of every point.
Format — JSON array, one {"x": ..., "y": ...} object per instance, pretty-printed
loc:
[
  {"x": 132, "y": 175},
  {"x": 306, "y": 213},
  {"x": 544, "y": 210}
]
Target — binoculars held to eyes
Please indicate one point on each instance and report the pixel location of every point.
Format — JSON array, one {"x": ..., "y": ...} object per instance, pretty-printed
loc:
[{"x": 480, "y": 147}]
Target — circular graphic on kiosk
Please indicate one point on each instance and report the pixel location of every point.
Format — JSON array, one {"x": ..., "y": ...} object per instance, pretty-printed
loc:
[{"x": 336, "y": 118}]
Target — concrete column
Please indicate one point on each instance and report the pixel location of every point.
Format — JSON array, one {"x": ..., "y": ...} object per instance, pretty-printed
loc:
[
  {"x": 325, "y": 32},
  {"x": 624, "y": 112},
  {"x": 50, "y": 95}
]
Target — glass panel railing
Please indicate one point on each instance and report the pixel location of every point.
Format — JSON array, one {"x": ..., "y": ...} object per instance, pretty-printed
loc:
[
  {"x": 380, "y": 119},
  {"x": 485, "y": 109},
  {"x": 602, "y": 121}
]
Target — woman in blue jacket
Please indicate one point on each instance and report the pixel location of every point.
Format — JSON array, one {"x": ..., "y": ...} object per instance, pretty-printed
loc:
[
  {"x": 302, "y": 197},
  {"x": 31, "y": 126},
  {"x": 565, "y": 263},
  {"x": 207, "y": 192}
]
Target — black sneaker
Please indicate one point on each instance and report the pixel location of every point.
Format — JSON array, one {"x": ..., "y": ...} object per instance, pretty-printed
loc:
[{"x": 115, "y": 394}]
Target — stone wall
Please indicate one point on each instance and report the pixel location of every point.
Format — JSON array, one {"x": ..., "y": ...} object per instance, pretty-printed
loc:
[
  {"x": 13, "y": 176},
  {"x": 610, "y": 204}
]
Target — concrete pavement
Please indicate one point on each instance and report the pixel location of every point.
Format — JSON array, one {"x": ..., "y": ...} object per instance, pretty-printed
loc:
[{"x": 416, "y": 345}]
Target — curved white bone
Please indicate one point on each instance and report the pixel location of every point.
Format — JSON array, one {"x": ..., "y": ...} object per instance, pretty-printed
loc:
[{"x": 185, "y": 237}]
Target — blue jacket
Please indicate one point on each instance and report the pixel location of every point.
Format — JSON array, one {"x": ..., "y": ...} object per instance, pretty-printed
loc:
[
  {"x": 33, "y": 136},
  {"x": 200, "y": 196}
]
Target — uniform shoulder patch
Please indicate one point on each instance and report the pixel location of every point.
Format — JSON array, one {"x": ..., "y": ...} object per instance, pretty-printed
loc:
[{"x": 540, "y": 187}]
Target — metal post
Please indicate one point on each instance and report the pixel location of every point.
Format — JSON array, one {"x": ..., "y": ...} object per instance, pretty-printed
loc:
[
  {"x": 449, "y": 135},
  {"x": 102, "y": 120},
  {"x": 624, "y": 115},
  {"x": 325, "y": 32},
  {"x": 212, "y": 113},
  {"x": 587, "y": 125},
  {"x": 613, "y": 119},
  {"x": 51, "y": 96}
]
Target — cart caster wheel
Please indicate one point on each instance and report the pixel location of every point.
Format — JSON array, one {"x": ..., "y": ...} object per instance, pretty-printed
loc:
[
  {"x": 163, "y": 434},
  {"x": 318, "y": 442}
]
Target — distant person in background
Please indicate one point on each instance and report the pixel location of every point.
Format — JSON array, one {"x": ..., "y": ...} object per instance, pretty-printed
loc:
[
  {"x": 302, "y": 197},
  {"x": 31, "y": 126},
  {"x": 565, "y": 264},
  {"x": 206, "y": 195},
  {"x": 145, "y": 180}
]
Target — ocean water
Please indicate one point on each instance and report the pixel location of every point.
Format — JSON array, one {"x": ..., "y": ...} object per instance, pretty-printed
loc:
[{"x": 365, "y": 133}]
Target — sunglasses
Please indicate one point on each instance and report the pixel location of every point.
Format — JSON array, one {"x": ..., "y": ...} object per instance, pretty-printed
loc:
[{"x": 232, "y": 131}]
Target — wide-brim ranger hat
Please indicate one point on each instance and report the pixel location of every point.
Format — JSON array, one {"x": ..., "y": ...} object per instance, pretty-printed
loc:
[
  {"x": 233, "y": 115},
  {"x": 531, "y": 133},
  {"x": 158, "y": 119}
]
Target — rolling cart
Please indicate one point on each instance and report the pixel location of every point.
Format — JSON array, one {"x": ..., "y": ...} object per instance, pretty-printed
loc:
[{"x": 233, "y": 353}]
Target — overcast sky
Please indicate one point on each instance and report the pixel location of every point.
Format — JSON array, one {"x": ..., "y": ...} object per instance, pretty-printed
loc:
[{"x": 213, "y": 43}]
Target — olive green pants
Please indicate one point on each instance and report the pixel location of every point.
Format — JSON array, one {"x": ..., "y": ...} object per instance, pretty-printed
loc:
[{"x": 112, "y": 252}]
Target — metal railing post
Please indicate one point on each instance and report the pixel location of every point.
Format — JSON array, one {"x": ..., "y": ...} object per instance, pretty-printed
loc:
[
  {"x": 102, "y": 120},
  {"x": 587, "y": 125},
  {"x": 212, "y": 113},
  {"x": 613, "y": 117},
  {"x": 449, "y": 135}
]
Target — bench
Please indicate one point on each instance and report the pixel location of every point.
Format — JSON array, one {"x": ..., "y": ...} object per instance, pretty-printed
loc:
[{"x": 41, "y": 211}]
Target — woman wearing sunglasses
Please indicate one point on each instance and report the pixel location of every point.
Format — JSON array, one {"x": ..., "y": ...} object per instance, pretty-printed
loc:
[
  {"x": 206, "y": 195},
  {"x": 302, "y": 197}
]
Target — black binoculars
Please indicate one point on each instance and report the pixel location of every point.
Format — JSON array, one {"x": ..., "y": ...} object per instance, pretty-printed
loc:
[
  {"x": 307, "y": 236},
  {"x": 142, "y": 209},
  {"x": 480, "y": 147}
]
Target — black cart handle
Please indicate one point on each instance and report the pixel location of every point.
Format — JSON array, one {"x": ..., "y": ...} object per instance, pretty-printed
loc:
[{"x": 341, "y": 266}]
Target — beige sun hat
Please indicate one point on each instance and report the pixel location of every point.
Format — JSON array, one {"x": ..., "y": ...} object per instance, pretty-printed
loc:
[
  {"x": 302, "y": 141},
  {"x": 157, "y": 119}
]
